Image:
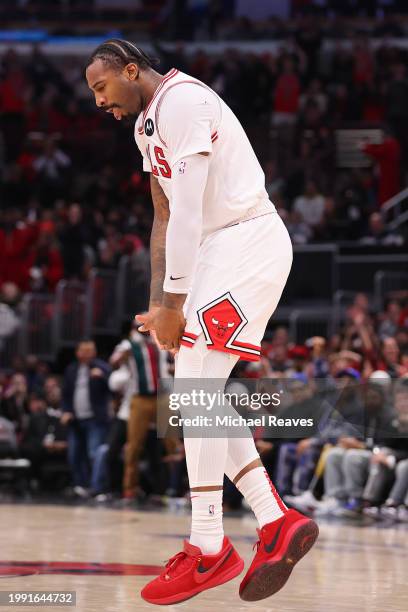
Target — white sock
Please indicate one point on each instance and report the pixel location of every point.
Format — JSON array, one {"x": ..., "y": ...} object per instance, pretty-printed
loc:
[
  {"x": 261, "y": 495},
  {"x": 206, "y": 526}
]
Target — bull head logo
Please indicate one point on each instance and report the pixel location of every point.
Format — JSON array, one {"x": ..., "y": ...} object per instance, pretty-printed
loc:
[
  {"x": 222, "y": 326},
  {"x": 221, "y": 320}
]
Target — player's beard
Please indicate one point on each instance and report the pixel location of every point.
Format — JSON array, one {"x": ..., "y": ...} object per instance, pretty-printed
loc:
[{"x": 129, "y": 120}]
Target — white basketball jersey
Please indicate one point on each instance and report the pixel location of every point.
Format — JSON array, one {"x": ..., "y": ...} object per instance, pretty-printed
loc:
[{"x": 185, "y": 117}]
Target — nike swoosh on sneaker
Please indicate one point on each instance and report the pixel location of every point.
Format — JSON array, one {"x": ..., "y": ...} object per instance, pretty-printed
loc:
[
  {"x": 269, "y": 547},
  {"x": 202, "y": 573}
]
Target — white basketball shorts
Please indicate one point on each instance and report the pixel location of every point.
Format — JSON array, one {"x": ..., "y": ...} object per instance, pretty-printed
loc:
[{"x": 241, "y": 273}]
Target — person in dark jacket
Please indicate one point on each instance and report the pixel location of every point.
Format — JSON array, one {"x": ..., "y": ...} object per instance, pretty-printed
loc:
[
  {"x": 14, "y": 404},
  {"x": 86, "y": 410},
  {"x": 389, "y": 466},
  {"x": 44, "y": 440},
  {"x": 348, "y": 463}
]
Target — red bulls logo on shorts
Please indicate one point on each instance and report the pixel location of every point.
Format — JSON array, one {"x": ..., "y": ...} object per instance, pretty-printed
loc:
[
  {"x": 221, "y": 321},
  {"x": 222, "y": 326}
]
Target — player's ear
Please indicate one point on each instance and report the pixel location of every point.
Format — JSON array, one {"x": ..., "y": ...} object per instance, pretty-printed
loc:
[{"x": 131, "y": 71}]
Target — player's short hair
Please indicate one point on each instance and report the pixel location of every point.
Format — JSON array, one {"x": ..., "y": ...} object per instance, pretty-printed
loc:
[{"x": 118, "y": 53}]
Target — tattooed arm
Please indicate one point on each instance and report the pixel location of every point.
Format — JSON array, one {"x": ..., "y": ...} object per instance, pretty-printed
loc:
[
  {"x": 165, "y": 310},
  {"x": 158, "y": 242}
]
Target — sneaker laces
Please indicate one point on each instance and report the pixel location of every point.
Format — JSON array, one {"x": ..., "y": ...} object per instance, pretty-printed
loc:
[
  {"x": 257, "y": 544},
  {"x": 177, "y": 563}
]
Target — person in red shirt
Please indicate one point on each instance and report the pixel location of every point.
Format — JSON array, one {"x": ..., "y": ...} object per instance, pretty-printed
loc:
[
  {"x": 287, "y": 94},
  {"x": 13, "y": 88},
  {"x": 388, "y": 157}
]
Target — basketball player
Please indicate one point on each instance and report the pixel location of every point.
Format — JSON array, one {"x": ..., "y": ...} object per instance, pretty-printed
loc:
[{"x": 217, "y": 238}]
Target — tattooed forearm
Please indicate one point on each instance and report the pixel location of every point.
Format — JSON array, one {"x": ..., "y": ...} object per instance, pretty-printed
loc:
[
  {"x": 158, "y": 241},
  {"x": 174, "y": 300}
]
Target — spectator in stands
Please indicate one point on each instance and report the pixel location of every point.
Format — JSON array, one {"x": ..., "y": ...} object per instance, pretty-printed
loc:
[
  {"x": 14, "y": 403},
  {"x": 300, "y": 232},
  {"x": 390, "y": 358},
  {"x": 8, "y": 441},
  {"x": 14, "y": 87},
  {"x": 397, "y": 103},
  {"x": 319, "y": 362},
  {"x": 378, "y": 234},
  {"x": 122, "y": 382},
  {"x": 387, "y": 155},
  {"x": 339, "y": 415},
  {"x": 346, "y": 464},
  {"x": 310, "y": 205},
  {"x": 314, "y": 93},
  {"x": 287, "y": 94},
  {"x": 53, "y": 391},
  {"x": 86, "y": 412},
  {"x": 389, "y": 465},
  {"x": 51, "y": 172},
  {"x": 45, "y": 264},
  {"x": 9, "y": 320},
  {"x": 390, "y": 321},
  {"x": 50, "y": 167},
  {"x": 299, "y": 360},
  {"x": 44, "y": 440},
  {"x": 278, "y": 359},
  {"x": 73, "y": 240},
  {"x": 16, "y": 237},
  {"x": 297, "y": 458},
  {"x": 149, "y": 362}
]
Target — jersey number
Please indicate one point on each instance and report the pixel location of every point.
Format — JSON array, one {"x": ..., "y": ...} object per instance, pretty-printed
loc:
[{"x": 162, "y": 167}]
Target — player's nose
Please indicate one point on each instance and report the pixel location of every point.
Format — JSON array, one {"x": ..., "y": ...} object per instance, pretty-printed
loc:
[{"x": 101, "y": 102}]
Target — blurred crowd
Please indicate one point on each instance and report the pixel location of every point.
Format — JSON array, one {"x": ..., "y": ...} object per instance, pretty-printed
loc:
[
  {"x": 73, "y": 197},
  {"x": 73, "y": 193},
  {"x": 213, "y": 19},
  {"x": 89, "y": 432}
]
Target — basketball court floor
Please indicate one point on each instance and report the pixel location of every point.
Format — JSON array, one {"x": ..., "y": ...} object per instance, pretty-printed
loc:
[{"x": 107, "y": 555}]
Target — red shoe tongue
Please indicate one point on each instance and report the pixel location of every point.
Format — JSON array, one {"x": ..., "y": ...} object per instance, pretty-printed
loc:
[{"x": 191, "y": 550}]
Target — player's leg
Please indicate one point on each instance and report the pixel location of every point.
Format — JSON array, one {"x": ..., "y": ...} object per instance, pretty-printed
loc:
[
  {"x": 284, "y": 535},
  {"x": 246, "y": 470},
  {"x": 205, "y": 457},
  {"x": 208, "y": 459},
  {"x": 208, "y": 559}
]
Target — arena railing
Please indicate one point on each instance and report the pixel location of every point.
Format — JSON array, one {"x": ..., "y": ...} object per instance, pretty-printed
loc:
[
  {"x": 102, "y": 302},
  {"x": 37, "y": 330},
  {"x": 357, "y": 272},
  {"x": 71, "y": 321},
  {"x": 305, "y": 323},
  {"x": 388, "y": 284},
  {"x": 133, "y": 285},
  {"x": 395, "y": 210}
]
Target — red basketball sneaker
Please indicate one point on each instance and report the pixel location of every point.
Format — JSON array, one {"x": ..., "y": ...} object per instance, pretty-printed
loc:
[
  {"x": 189, "y": 572},
  {"x": 281, "y": 545}
]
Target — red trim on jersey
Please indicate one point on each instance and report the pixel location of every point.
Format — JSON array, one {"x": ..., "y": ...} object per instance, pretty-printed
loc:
[
  {"x": 190, "y": 335},
  {"x": 166, "y": 78},
  {"x": 223, "y": 349},
  {"x": 162, "y": 96},
  {"x": 254, "y": 347},
  {"x": 188, "y": 339}
]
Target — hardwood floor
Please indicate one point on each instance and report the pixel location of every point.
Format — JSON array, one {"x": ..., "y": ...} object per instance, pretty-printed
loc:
[{"x": 102, "y": 554}]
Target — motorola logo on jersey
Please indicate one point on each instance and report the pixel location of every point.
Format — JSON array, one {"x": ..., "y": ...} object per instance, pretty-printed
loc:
[{"x": 149, "y": 127}]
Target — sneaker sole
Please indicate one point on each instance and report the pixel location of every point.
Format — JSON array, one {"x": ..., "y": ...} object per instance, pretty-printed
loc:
[
  {"x": 270, "y": 577},
  {"x": 217, "y": 580}
]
